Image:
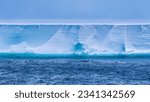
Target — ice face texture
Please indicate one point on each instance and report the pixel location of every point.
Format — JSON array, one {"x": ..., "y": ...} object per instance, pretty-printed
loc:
[{"x": 75, "y": 39}]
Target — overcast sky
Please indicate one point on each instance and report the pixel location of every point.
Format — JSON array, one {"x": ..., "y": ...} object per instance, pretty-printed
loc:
[{"x": 74, "y": 9}]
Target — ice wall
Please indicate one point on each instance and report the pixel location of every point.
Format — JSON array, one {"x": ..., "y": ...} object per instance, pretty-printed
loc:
[{"x": 75, "y": 39}]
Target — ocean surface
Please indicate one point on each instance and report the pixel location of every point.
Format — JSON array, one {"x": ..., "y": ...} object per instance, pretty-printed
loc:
[{"x": 102, "y": 70}]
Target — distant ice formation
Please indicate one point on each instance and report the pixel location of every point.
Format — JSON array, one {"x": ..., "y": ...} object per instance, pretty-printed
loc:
[{"x": 75, "y": 39}]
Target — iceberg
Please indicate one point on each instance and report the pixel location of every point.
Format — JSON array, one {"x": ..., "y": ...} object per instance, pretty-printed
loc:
[{"x": 75, "y": 39}]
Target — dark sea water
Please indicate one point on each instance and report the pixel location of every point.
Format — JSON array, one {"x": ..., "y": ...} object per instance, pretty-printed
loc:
[{"x": 75, "y": 71}]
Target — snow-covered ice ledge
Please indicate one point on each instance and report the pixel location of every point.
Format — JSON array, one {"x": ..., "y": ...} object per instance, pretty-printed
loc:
[{"x": 74, "y": 22}]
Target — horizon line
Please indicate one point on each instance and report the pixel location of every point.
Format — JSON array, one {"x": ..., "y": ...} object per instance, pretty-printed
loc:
[{"x": 74, "y": 22}]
